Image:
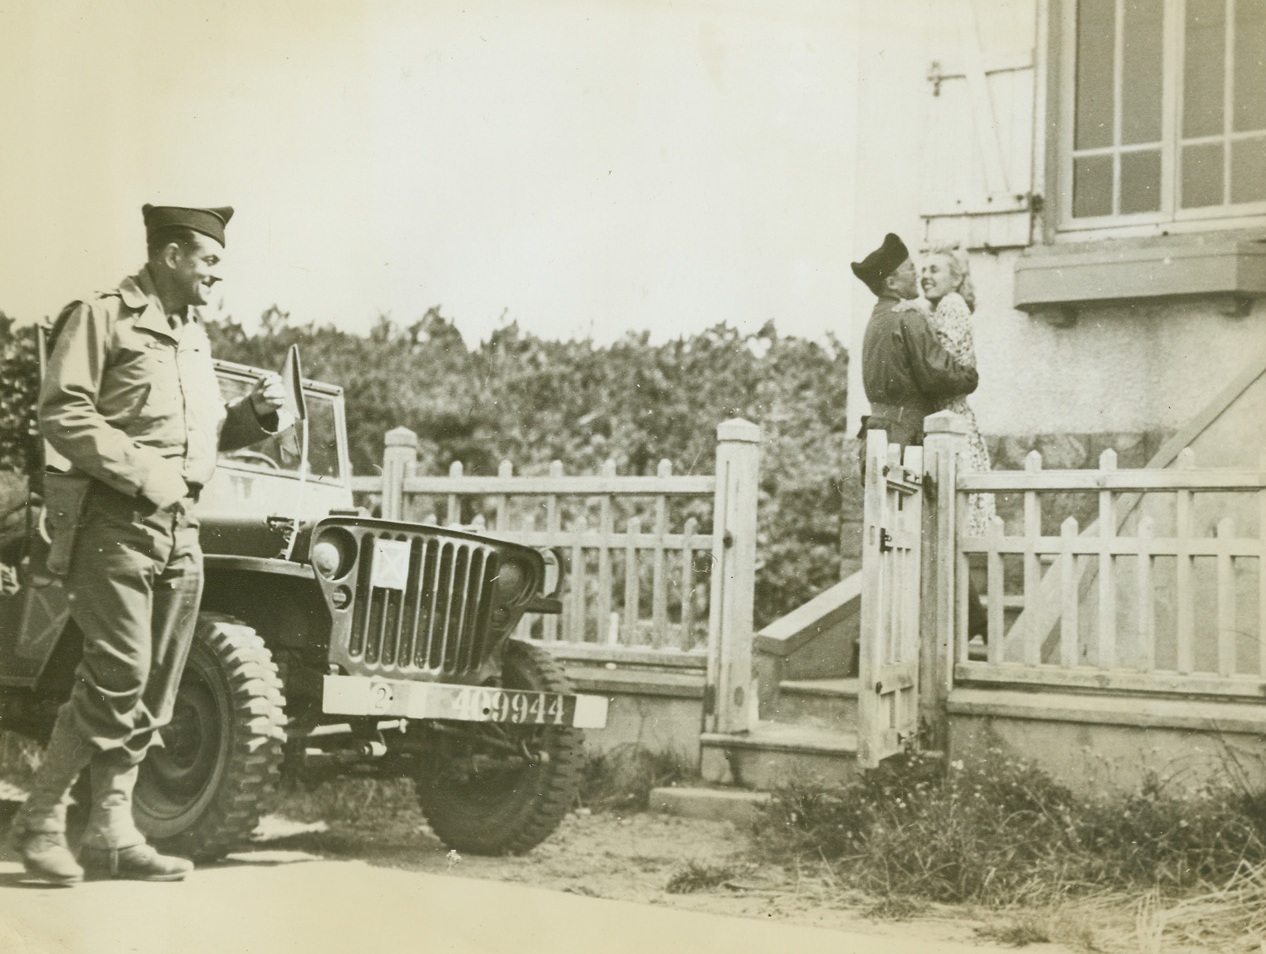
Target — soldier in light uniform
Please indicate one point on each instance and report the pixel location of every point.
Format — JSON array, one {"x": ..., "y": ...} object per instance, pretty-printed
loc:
[{"x": 130, "y": 398}]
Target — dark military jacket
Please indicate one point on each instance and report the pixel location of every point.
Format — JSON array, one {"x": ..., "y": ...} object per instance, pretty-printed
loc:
[
  {"x": 126, "y": 393},
  {"x": 906, "y": 372}
]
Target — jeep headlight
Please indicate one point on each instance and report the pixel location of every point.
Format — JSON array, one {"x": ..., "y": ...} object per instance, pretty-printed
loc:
[
  {"x": 333, "y": 552},
  {"x": 513, "y": 580}
]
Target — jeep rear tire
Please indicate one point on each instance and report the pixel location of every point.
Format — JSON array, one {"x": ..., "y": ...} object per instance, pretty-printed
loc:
[
  {"x": 200, "y": 794},
  {"x": 499, "y": 789}
]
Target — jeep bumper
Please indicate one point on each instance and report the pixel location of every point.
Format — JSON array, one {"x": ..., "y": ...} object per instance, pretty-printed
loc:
[{"x": 373, "y": 696}]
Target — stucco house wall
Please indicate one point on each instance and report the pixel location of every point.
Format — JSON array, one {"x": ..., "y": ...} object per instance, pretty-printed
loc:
[{"x": 1137, "y": 366}]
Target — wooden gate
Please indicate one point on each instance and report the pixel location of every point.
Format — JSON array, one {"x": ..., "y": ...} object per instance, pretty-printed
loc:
[{"x": 888, "y": 667}]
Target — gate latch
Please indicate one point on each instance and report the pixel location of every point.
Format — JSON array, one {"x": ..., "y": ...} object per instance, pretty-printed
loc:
[{"x": 885, "y": 540}]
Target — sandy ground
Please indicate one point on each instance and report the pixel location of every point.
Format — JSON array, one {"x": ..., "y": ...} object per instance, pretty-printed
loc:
[
  {"x": 607, "y": 856},
  {"x": 671, "y": 863},
  {"x": 649, "y": 858}
]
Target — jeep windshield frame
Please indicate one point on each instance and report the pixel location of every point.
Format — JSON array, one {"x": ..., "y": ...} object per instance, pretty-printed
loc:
[{"x": 279, "y": 456}]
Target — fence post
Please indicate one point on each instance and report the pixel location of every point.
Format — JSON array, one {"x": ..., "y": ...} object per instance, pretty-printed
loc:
[
  {"x": 730, "y": 697},
  {"x": 399, "y": 458},
  {"x": 945, "y": 441}
]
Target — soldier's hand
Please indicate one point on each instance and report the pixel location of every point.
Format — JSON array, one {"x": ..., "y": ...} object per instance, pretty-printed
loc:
[
  {"x": 268, "y": 396},
  {"x": 921, "y": 305},
  {"x": 165, "y": 485}
]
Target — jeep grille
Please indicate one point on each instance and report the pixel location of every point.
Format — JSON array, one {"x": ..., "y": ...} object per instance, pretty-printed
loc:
[{"x": 439, "y": 622}]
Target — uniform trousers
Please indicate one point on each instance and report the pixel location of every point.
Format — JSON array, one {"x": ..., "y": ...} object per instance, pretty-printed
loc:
[{"x": 135, "y": 582}]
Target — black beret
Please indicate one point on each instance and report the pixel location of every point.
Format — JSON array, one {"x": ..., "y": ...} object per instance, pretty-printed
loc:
[
  {"x": 207, "y": 221},
  {"x": 882, "y": 262}
]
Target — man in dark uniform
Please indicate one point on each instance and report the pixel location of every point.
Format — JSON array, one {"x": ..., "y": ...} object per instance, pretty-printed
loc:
[
  {"x": 130, "y": 398},
  {"x": 905, "y": 371}
]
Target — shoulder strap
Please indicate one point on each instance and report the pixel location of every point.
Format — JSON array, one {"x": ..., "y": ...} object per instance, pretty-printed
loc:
[
  {"x": 64, "y": 316},
  {"x": 50, "y": 339}
]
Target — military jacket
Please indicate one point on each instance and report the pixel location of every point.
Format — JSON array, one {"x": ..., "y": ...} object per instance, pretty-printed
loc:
[
  {"x": 124, "y": 392},
  {"x": 904, "y": 366}
]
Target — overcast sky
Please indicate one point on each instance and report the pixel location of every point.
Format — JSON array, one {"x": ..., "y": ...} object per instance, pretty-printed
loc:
[{"x": 584, "y": 167}]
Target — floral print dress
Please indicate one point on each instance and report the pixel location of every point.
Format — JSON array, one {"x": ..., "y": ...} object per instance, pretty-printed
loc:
[{"x": 951, "y": 322}]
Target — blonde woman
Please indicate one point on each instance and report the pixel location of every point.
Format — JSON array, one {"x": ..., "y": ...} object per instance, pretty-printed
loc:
[{"x": 947, "y": 285}]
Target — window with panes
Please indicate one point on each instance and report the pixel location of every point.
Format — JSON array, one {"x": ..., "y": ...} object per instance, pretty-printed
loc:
[{"x": 1166, "y": 109}]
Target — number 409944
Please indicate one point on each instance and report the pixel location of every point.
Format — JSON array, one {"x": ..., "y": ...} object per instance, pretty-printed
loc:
[{"x": 485, "y": 704}]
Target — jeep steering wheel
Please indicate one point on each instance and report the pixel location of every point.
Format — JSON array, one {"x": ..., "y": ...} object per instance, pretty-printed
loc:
[{"x": 254, "y": 457}]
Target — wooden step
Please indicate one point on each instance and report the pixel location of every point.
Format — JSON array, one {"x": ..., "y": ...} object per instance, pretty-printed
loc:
[
  {"x": 831, "y": 703},
  {"x": 774, "y": 754}
]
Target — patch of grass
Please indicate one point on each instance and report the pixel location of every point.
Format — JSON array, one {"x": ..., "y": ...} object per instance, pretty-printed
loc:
[
  {"x": 19, "y": 758},
  {"x": 1018, "y": 931},
  {"x": 1002, "y": 833},
  {"x": 699, "y": 876},
  {"x": 353, "y": 802},
  {"x": 1228, "y": 917},
  {"x": 895, "y": 908},
  {"x": 622, "y": 778}
]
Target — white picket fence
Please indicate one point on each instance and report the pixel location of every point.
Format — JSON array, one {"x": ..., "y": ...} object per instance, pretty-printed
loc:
[
  {"x": 1164, "y": 590},
  {"x": 639, "y": 550}
]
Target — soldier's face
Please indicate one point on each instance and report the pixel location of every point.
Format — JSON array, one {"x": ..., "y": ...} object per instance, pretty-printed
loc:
[
  {"x": 904, "y": 282},
  {"x": 196, "y": 269}
]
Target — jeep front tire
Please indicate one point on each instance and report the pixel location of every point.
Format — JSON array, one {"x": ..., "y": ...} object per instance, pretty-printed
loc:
[
  {"x": 499, "y": 789},
  {"x": 201, "y": 793}
]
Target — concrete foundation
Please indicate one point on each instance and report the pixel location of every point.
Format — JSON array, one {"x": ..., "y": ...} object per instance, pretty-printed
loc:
[
  {"x": 1099, "y": 744},
  {"x": 659, "y": 710},
  {"x": 743, "y": 808}
]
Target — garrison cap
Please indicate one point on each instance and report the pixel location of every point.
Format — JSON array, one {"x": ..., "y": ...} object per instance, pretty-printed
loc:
[
  {"x": 882, "y": 262},
  {"x": 207, "y": 221}
]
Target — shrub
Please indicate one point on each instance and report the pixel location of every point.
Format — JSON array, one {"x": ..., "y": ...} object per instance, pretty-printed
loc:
[
  {"x": 1003, "y": 832},
  {"x": 531, "y": 401},
  {"x": 17, "y": 393}
]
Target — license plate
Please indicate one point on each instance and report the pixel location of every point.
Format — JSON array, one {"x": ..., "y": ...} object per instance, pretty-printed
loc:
[
  {"x": 362, "y": 695},
  {"x": 517, "y": 706}
]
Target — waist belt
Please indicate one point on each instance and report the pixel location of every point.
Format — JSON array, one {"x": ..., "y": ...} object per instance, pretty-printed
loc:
[{"x": 897, "y": 412}]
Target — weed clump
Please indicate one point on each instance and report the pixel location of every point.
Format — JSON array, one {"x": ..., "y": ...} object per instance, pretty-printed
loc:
[
  {"x": 19, "y": 758},
  {"x": 354, "y": 801},
  {"x": 622, "y": 778},
  {"x": 699, "y": 876},
  {"x": 1003, "y": 832}
]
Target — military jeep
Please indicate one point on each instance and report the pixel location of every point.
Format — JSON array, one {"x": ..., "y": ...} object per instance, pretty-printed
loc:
[{"x": 328, "y": 635}]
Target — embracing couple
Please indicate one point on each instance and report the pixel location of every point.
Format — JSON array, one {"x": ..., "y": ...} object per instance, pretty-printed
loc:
[
  {"x": 917, "y": 355},
  {"x": 918, "y": 358}
]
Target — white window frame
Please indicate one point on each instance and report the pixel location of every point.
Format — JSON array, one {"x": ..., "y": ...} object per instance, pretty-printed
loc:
[{"x": 1171, "y": 218}]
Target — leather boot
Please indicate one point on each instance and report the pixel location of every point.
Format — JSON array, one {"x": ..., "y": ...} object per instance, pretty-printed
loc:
[
  {"x": 39, "y": 829},
  {"x": 136, "y": 863},
  {"x": 113, "y": 847},
  {"x": 110, "y": 821}
]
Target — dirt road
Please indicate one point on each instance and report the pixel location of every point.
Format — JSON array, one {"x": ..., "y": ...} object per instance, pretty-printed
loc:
[
  {"x": 282, "y": 902},
  {"x": 376, "y": 879}
]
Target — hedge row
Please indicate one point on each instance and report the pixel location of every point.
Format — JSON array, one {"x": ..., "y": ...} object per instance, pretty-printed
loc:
[{"x": 531, "y": 401}]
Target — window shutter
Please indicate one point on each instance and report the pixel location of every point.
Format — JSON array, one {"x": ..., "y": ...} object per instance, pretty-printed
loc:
[{"x": 978, "y": 150}]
